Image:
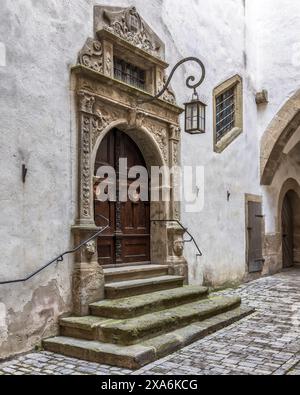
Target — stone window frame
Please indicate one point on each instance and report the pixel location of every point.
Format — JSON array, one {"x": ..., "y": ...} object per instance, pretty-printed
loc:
[{"x": 237, "y": 83}]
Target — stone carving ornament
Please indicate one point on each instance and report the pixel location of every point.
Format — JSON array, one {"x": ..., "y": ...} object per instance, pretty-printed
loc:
[
  {"x": 90, "y": 249},
  {"x": 128, "y": 25},
  {"x": 91, "y": 55},
  {"x": 86, "y": 165},
  {"x": 161, "y": 136},
  {"x": 169, "y": 95},
  {"x": 178, "y": 246}
]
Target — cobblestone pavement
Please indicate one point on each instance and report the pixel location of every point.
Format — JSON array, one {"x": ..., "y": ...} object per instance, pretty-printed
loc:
[{"x": 267, "y": 342}]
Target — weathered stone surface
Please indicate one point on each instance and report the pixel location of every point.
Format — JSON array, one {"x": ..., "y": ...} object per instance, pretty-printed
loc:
[
  {"x": 131, "y": 357},
  {"x": 142, "y": 286},
  {"x": 145, "y": 304},
  {"x": 135, "y": 330},
  {"x": 134, "y": 272},
  {"x": 265, "y": 343},
  {"x": 136, "y": 356}
]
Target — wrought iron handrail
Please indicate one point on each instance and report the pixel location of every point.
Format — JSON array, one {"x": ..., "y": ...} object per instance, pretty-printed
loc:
[
  {"x": 191, "y": 240},
  {"x": 60, "y": 258}
]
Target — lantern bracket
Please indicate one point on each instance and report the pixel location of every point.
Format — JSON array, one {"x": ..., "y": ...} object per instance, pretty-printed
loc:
[{"x": 189, "y": 80}]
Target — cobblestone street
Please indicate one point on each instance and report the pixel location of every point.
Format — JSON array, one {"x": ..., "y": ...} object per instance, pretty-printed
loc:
[{"x": 267, "y": 342}]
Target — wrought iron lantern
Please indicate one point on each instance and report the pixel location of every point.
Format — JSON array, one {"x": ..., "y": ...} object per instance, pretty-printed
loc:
[
  {"x": 195, "y": 110},
  {"x": 195, "y": 115}
]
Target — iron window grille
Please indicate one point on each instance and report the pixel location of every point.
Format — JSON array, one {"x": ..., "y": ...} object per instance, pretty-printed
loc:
[
  {"x": 130, "y": 74},
  {"x": 225, "y": 113}
]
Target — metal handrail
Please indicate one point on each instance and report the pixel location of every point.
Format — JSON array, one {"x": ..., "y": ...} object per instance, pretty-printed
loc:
[
  {"x": 185, "y": 230},
  {"x": 60, "y": 258}
]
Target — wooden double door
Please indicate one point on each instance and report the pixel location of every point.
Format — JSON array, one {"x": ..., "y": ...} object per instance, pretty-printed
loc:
[{"x": 127, "y": 239}]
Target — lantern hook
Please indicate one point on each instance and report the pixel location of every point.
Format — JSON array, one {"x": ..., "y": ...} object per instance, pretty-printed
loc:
[{"x": 189, "y": 80}]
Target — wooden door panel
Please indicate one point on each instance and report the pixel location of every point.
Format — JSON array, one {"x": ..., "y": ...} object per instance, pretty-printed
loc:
[
  {"x": 255, "y": 232},
  {"x": 107, "y": 210},
  {"x": 106, "y": 250},
  {"x": 136, "y": 249},
  {"x": 128, "y": 238}
]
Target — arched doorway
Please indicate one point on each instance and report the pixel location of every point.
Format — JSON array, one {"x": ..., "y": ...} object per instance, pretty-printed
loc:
[
  {"x": 290, "y": 224},
  {"x": 287, "y": 231},
  {"x": 127, "y": 241}
]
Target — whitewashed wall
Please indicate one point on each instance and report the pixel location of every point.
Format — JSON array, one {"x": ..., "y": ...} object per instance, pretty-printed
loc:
[
  {"x": 42, "y": 40},
  {"x": 276, "y": 24}
]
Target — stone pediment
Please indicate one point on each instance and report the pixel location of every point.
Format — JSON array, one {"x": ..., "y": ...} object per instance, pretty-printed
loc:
[{"x": 126, "y": 23}]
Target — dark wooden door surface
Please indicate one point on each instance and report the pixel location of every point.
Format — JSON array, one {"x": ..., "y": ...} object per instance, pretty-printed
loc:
[
  {"x": 287, "y": 234},
  {"x": 128, "y": 238},
  {"x": 255, "y": 231}
]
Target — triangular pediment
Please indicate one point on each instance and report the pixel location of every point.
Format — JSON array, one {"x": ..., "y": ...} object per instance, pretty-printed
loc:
[{"x": 127, "y": 24}]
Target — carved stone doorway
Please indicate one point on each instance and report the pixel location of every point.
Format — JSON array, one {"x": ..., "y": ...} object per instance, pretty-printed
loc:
[{"x": 127, "y": 240}]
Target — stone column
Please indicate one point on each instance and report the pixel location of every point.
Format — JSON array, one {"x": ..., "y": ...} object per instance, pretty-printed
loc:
[
  {"x": 174, "y": 160},
  {"x": 88, "y": 276},
  {"x": 177, "y": 263}
]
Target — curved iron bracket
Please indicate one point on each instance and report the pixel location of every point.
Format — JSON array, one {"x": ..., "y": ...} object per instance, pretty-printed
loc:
[{"x": 189, "y": 80}]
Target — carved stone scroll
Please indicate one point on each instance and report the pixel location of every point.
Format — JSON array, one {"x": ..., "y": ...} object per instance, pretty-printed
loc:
[{"x": 91, "y": 55}]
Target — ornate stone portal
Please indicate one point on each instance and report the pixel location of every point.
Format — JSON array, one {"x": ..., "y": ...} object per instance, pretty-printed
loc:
[{"x": 103, "y": 103}]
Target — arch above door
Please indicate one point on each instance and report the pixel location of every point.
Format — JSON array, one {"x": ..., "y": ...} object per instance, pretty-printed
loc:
[{"x": 277, "y": 136}]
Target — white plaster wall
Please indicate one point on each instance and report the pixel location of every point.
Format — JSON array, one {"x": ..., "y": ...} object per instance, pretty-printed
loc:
[
  {"x": 276, "y": 25},
  {"x": 42, "y": 40}
]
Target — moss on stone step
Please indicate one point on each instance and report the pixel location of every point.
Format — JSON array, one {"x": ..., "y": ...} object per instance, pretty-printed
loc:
[
  {"x": 144, "y": 304},
  {"x": 136, "y": 356},
  {"x": 129, "y": 288},
  {"x": 134, "y": 330}
]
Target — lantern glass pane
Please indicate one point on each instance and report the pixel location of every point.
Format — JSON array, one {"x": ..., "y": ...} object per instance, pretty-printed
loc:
[
  {"x": 192, "y": 116},
  {"x": 195, "y": 117}
]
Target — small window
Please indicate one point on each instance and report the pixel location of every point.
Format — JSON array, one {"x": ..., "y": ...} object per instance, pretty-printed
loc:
[
  {"x": 130, "y": 74},
  {"x": 225, "y": 112},
  {"x": 228, "y": 110}
]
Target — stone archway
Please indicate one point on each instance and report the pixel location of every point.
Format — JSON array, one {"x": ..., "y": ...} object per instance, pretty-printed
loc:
[
  {"x": 153, "y": 156},
  {"x": 277, "y": 136}
]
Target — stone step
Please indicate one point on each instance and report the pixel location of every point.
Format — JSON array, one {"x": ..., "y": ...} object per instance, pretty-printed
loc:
[
  {"x": 136, "y": 306},
  {"x": 129, "y": 288},
  {"x": 119, "y": 274},
  {"x": 137, "y": 356},
  {"x": 135, "y": 330}
]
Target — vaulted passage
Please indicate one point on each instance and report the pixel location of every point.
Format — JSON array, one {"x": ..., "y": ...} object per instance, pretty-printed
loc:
[{"x": 128, "y": 238}]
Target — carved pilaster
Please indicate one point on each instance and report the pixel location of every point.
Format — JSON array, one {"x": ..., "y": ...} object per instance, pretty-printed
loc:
[
  {"x": 108, "y": 58},
  {"x": 174, "y": 160},
  {"x": 86, "y": 103}
]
